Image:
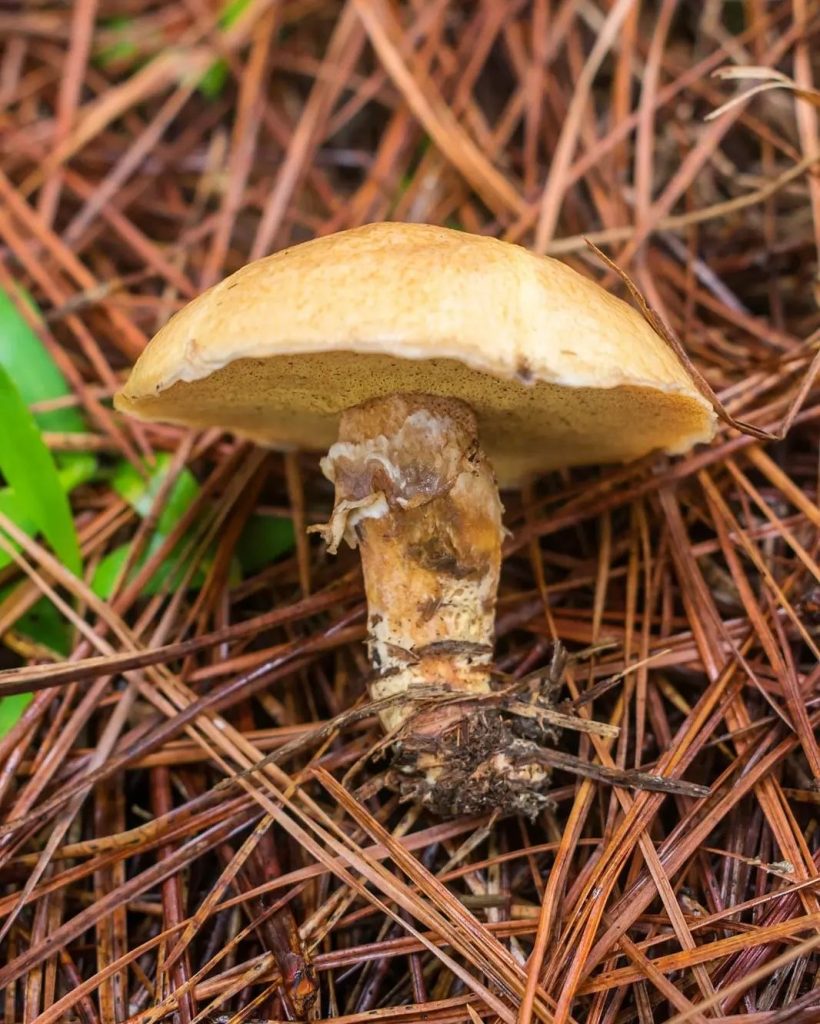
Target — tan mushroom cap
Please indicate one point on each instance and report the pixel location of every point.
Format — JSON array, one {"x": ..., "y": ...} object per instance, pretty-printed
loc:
[{"x": 558, "y": 371}]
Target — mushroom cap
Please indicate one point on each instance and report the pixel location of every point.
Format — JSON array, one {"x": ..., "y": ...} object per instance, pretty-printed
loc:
[{"x": 558, "y": 371}]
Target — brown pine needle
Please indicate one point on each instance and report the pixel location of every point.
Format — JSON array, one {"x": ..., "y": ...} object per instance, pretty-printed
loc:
[{"x": 179, "y": 834}]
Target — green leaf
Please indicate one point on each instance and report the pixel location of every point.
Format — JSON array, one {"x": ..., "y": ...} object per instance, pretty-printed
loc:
[
  {"x": 263, "y": 540},
  {"x": 13, "y": 509},
  {"x": 43, "y": 624},
  {"x": 141, "y": 494},
  {"x": 29, "y": 364},
  {"x": 213, "y": 80},
  {"x": 10, "y": 710},
  {"x": 37, "y": 378},
  {"x": 232, "y": 12},
  {"x": 76, "y": 471},
  {"x": 29, "y": 470},
  {"x": 122, "y": 46},
  {"x": 169, "y": 575}
]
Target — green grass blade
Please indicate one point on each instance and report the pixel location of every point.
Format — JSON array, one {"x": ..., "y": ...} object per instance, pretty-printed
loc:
[
  {"x": 29, "y": 470},
  {"x": 35, "y": 374},
  {"x": 10, "y": 710}
]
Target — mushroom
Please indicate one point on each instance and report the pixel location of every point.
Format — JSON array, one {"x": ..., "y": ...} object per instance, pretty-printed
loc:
[{"x": 427, "y": 361}]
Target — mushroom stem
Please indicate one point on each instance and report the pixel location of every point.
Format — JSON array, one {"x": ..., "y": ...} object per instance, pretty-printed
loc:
[{"x": 417, "y": 496}]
